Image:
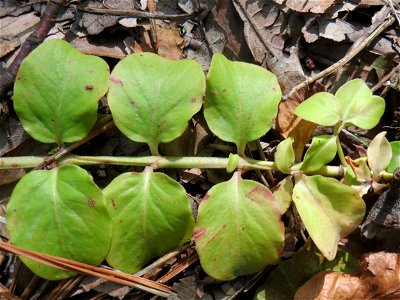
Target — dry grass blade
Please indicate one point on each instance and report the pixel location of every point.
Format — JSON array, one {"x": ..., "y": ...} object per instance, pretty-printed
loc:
[
  {"x": 143, "y": 284},
  {"x": 178, "y": 269}
]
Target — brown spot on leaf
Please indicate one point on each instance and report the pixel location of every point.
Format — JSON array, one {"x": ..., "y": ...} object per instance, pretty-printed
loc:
[
  {"x": 91, "y": 202},
  {"x": 194, "y": 100},
  {"x": 224, "y": 90},
  {"x": 116, "y": 80},
  {"x": 198, "y": 233},
  {"x": 132, "y": 102},
  {"x": 89, "y": 87},
  {"x": 206, "y": 196},
  {"x": 213, "y": 93},
  {"x": 113, "y": 202}
]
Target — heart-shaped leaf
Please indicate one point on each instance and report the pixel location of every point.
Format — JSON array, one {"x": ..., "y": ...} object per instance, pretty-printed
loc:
[
  {"x": 238, "y": 229},
  {"x": 59, "y": 212},
  {"x": 150, "y": 216},
  {"x": 379, "y": 153},
  {"x": 395, "y": 161},
  {"x": 284, "y": 155},
  {"x": 56, "y": 92},
  {"x": 322, "y": 151},
  {"x": 152, "y": 98},
  {"x": 321, "y": 108},
  {"x": 329, "y": 209},
  {"x": 359, "y": 106},
  {"x": 241, "y": 100}
]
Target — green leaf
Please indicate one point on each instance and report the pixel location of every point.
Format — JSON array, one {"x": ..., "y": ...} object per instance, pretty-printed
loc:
[
  {"x": 329, "y": 209},
  {"x": 395, "y": 161},
  {"x": 290, "y": 274},
  {"x": 379, "y": 153},
  {"x": 322, "y": 151},
  {"x": 321, "y": 108},
  {"x": 284, "y": 155},
  {"x": 150, "y": 217},
  {"x": 59, "y": 212},
  {"x": 238, "y": 229},
  {"x": 241, "y": 101},
  {"x": 283, "y": 193},
  {"x": 152, "y": 98},
  {"x": 56, "y": 92},
  {"x": 359, "y": 106}
]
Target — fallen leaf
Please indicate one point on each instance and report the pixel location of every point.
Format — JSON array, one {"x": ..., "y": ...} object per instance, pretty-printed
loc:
[
  {"x": 314, "y": 6},
  {"x": 379, "y": 279}
]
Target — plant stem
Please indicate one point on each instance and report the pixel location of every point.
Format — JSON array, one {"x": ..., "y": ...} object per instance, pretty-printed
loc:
[
  {"x": 157, "y": 162},
  {"x": 339, "y": 146}
]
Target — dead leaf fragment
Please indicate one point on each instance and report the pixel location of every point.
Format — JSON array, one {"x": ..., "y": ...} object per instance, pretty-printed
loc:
[
  {"x": 379, "y": 279},
  {"x": 314, "y": 6}
]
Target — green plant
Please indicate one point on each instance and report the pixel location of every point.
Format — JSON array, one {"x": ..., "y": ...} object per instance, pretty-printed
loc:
[{"x": 143, "y": 215}]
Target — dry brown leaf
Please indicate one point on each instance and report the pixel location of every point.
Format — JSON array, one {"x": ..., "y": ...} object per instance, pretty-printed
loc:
[
  {"x": 266, "y": 31},
  {"x": 15, "y": 30},
  {"x": 379, "y": 279},
  {"x": 169, "y": 41},
  {"x": 111, "y": 47},
  {"x": 314, "y": 6}
]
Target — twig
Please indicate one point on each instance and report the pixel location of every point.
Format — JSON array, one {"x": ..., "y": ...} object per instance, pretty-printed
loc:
[
  {"x": 42, "y": 29},
  {"x": 384, "y": 79},
  {"x": 353, "y": 52},
  {"x": 138, "y": 14},
  {"x": 143, "y": 284}
]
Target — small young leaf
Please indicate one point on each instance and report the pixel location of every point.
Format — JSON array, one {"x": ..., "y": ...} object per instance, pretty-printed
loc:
[
  {"x": 359, "y": 106},
  {"x": 150, "y": 216},
  {"x": 57, "y": 90},
  {"x": 283, "y": 193},
  {"x": 241, "y": 101},
  {"x": 329, "y": 209},
  {"x": 395, "y": 161},
  {"x": 59, "y": 212},
  {"x": 152, "y": 98},
  {"x": 322, "y": 151},
  {"x": 238, "y": 229},
  {"x": 379, "y": 153},
  {"x": 284, "y": 155},
  {"x": 321, "y": 108}
]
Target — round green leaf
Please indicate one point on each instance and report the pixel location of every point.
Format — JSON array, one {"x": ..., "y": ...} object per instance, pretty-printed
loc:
[
  {"x": 379, "y": 153},
  {"x": 241, "y": 100},
  {"x": 238, "y": 229},
  {"x": 321, "y": 108},
  {"x": 359, "y": 106},
  {"x": 322, "y": 151},
  {"x": 284, "y": 155},
  {"x": 395, "y": 161},
  {"x": 150, "y": 217},
  {"x": 329, "y": 209},
  {"x": 152, "y": 98},
  {"x": 56, "y": 92},
  {"x": 59, "y": 212}
]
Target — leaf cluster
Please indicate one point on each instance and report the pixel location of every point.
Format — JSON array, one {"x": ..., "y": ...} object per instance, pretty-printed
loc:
[{"x": 139, "y": 216}]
